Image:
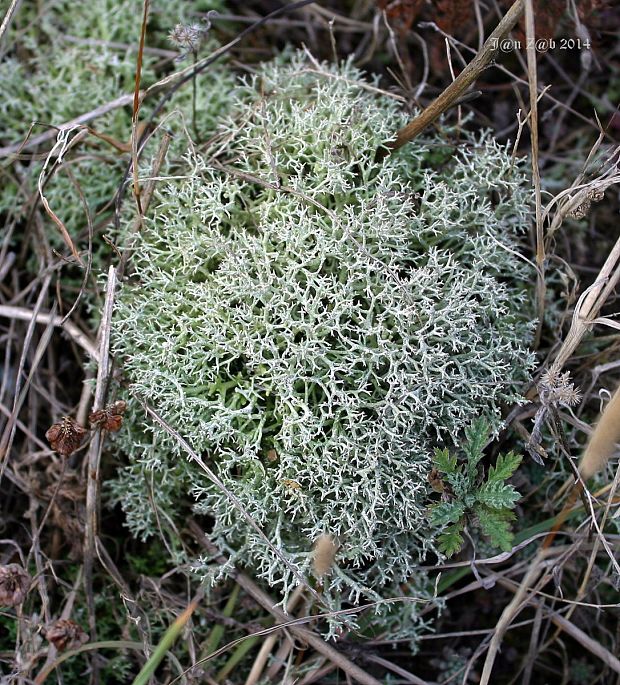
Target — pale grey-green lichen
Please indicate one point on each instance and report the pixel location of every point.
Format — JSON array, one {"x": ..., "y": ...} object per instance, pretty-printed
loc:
[
  {"x": 314, "y": 322},
  {"x": 65, "y": 59}
]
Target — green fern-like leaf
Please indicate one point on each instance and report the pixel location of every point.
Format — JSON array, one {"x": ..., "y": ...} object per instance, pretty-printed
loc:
[
  {"x": 497, "y": 495},
  {"x": 495, "y": 524},
  {"x": 460, "y": 484},
  {"x": 477, "y": 435},
  {"x": 505, "y": 466},
  {"x": 447, "y": 512},
  {"x": 444, "y": 461},
  {"x": 451, "y": 540}
]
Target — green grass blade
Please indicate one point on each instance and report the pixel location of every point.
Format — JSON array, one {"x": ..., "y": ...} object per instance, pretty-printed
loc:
[{"x": 164, "y": 645}]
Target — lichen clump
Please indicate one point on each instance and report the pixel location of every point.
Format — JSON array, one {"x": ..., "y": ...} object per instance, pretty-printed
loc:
[
  {"x": 66, "y": 60},
  {"x": 314, "y": 321}
]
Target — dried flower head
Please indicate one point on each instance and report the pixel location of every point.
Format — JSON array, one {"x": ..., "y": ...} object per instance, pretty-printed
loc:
[
  {"x": 187, "y": 37},
  {"x": 582, "y": 210},
  {"x": 66, "y": 436},
  {"x": 555, "y": 389},
  {"x": 14, "y": 584},
  {"x": 325, "y": 549},
  {"x": 66, "y": 634},
  {"x": 109, "y": 418}
]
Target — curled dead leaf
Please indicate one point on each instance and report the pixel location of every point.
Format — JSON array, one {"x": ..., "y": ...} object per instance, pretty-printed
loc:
[{"x": 435, "y": 480}]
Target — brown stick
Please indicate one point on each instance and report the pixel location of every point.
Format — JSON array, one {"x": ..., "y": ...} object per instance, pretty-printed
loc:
[
  {"x": 460, "y": 84},
  {"x": 594, "y": 647},
  {"x": 262, "y": 598},
  {"x": 94, "y": 453},
  {"x": 532, "y": 78},
  {"x": 78, "y": 336},
  {"x": 52, "y": 132}
]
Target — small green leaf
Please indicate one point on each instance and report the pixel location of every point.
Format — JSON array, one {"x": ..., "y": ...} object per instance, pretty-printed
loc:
[
  {"x": 451, "y": 540},
  {"x": 495, "y": 524},
  {"x": 444, "y": 461},
  {"x": 505, "y": 466},
  {"x": 459, "y": 484},
  {"x": 447, "y": 512},
  {"x": 477, "y": 435},
  {"x": 497, "y": 495}
]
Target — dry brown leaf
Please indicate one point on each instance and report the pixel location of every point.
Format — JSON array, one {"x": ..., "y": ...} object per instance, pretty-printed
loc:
[
  {"x": 401, "y": 13},
  {"x": 452, "y": 15}
]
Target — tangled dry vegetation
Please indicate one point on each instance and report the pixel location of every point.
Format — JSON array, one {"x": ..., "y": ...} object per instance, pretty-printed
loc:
[{"x": 485, "y": 550}]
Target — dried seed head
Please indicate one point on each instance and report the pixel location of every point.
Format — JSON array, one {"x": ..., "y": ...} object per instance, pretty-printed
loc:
[
  {"x": 324, "y": 553},
  {"x": 596, "y": 195},
  {"x": 109, "y": 418},
  {"x": 66, "y": 436},
  {"x": 66, "y": 634},
  {"x": 187, "y": 36},
  {"x": 556, "y": 389},
  {"x": 14, "y": 584},
  {"x": 581, "y": 211}
]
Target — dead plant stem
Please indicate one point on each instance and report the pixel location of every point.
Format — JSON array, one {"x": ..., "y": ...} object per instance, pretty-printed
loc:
[
  {"x": 94, "y": 452},
  {"x": 460, "y": 84}
]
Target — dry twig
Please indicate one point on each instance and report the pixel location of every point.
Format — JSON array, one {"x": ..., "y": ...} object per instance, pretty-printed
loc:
[
  {"x": 460, "y": 84},
  {"x": 267, "y": 603},
  {"x": 94, "y": 452},
  {"x": 49, "y": 318}
]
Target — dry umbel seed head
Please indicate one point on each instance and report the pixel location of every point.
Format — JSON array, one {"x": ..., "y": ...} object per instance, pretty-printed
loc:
[
  {"x": 66, "y": 436},
  {"x": 14, "y": 584},
  {"x": 66, "y": 634},
  {"x": 325, "y": 549},
  {"x": 109, "y": 418}
]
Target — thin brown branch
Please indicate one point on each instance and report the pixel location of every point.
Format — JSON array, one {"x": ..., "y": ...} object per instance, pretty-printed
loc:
[
  {"x": 460, "y": 84},
  {"x": 52, "y": 132},
  {"x": 75, "y": 333},
  {"x": 262, "y": 598},
  {"x": 8, "y": 16},
  {"x": 135, "y": 114},
  {"x": 533, "y": 122},
  {"x": 94, "y": 452}
]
